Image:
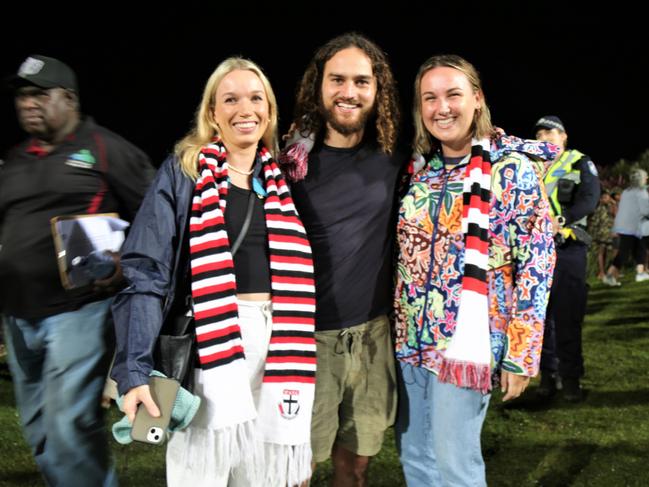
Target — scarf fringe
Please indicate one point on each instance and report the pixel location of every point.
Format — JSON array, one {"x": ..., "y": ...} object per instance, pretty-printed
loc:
[
  {"x": 209, "y": 453},
  {"x": 287, "y": 465},
  {"x": 466, "y": 374},
  {"x": 294, "y": 162}
]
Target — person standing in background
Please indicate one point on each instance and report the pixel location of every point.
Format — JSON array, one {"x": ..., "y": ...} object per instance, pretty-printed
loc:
[
  {"x": 573, "y": 188},
  {"x": 60, "y": 341},
  {"x": 632, "y": 226}
]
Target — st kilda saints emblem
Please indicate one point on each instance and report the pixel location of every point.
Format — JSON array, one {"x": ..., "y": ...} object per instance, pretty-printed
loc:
[{"x": 290, "y": 406}]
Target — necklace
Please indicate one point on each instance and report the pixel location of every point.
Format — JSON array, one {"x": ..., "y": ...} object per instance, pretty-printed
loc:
[{"x": 244, "y": 173}]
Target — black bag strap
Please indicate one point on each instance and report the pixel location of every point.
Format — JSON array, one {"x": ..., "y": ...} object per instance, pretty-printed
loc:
[
  {"x": 246, "y": 223},
  {"x": 183, "y": 324}
]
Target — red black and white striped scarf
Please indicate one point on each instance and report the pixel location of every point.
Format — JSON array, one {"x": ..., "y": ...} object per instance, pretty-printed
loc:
[
  {"x": 283, "y": 417},
  {"x": 467, "y": 359}
]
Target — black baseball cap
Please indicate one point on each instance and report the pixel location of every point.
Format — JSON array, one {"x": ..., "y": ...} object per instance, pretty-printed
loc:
[
  {"x": 45, "y": 72},
  {"x": 550, "y": 122}
]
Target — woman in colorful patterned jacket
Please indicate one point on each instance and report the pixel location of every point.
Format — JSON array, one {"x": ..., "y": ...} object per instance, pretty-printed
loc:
[
  {"x": 253, "y": 309},
  {"x": 476, "y": 257}
]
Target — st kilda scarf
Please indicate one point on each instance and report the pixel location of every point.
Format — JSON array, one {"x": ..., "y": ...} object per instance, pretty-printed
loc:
[
  {"x": 467, "y": 359},
  {"x": 282, "y": 419}
]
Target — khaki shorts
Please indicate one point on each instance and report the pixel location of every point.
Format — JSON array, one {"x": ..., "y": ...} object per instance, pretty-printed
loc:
[{"x": 355, "y": 393}]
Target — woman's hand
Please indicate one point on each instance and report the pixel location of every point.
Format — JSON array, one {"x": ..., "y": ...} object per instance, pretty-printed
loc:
[
  {"x": 137, "y": 395},
  {"x": 512, "y": 385}
]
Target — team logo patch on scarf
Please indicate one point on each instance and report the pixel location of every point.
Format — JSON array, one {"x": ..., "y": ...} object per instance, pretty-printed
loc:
[{"x": 290, "y": 405}]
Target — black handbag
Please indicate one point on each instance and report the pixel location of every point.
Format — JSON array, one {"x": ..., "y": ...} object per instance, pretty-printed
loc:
[{"x": 175, "y": 352}]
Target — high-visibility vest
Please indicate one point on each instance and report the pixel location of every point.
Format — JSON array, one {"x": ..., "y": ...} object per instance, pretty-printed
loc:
[{"x": 563, "y": 168}]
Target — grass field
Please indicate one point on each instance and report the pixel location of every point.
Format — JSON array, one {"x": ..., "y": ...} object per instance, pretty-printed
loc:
[{"x": 603, "y": 441}]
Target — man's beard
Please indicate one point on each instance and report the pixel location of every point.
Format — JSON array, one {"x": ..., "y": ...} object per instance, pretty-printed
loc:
[{"x": 348, "y": 128}]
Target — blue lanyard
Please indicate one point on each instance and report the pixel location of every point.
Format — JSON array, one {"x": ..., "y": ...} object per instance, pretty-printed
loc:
[{"x": 258, "y": 187}]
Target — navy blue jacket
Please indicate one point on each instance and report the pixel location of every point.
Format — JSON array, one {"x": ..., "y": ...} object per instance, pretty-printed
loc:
[{"x": 150, "y": 262}]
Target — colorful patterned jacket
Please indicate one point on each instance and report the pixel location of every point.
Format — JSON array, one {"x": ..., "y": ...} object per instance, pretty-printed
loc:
[{"x": 521, "y": 258}]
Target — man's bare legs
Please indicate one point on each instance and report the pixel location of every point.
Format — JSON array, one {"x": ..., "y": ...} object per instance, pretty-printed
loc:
[{"x": 350, "y": 469}]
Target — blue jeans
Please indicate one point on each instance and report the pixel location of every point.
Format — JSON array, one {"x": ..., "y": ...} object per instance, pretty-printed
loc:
[
  {"x": 59, "y": 365},
  {"x": 438, "y": 430}
]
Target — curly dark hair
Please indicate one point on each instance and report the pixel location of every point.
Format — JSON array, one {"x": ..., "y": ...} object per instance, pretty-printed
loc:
[{"x": 308, "y": 118}]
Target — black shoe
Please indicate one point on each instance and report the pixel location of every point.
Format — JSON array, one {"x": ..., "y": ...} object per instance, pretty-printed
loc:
[
  {"x": 572, "y": 391},
  {"x": 548, "y": 386}
]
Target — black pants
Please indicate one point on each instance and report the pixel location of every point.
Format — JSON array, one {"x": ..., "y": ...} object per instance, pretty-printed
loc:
[
  {"x": 562, "y": 336},
  {"x": 630, "y": 244}
]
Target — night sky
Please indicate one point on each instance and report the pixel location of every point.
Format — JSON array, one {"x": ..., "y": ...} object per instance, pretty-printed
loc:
[{"x": 141, "y": 74}]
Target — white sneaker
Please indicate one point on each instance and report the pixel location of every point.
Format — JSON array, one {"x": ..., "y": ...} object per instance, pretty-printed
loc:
[
  {"x": 641, "y": 276},
  {"x": 611, "y": 281}
]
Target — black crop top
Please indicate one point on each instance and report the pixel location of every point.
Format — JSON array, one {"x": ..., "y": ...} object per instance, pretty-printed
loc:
[{"x": 252, "y": 262}]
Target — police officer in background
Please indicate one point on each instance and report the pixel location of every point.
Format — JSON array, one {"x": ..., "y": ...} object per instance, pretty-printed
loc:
[{"x": 573, "y": 189}]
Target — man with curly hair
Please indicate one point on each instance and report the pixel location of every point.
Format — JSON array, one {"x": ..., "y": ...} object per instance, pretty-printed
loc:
[{"x": 344, "y": 169}]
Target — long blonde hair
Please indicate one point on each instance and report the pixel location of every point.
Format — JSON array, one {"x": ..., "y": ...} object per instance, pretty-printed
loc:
[
  {"x": 205, "y": 127},
  {"x": 481, "y": 127}
]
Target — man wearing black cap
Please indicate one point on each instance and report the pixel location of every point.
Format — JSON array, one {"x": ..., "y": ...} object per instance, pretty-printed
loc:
[
  {"x": 57, "y": 339},
  {"x": 573, "y": 189}
]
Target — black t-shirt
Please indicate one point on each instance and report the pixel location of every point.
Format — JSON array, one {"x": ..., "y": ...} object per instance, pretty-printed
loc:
[
  {"x": 251, "y": 262},
  {"x": 347, "y": 205},
  {"x": 92, "y": 171}
]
